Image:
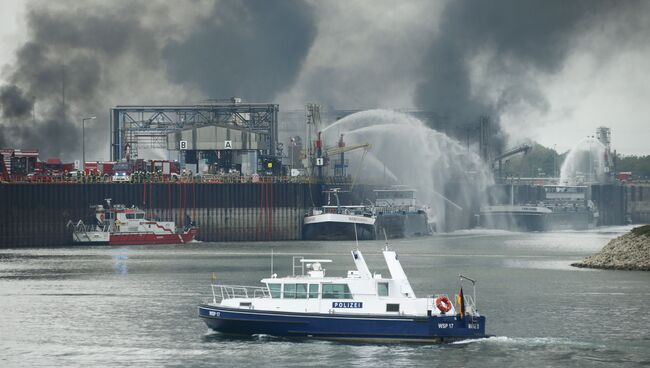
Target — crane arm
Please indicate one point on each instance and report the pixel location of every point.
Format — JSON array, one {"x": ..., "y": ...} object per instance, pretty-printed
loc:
[
  {"x": 336, "y": 150},
  {"x": 525, "y": 148}
]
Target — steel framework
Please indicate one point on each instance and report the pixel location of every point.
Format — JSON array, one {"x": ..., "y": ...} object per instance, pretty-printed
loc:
[{"x": 147, "y": 126}]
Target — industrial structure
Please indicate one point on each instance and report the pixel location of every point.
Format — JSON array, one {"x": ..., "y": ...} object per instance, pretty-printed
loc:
[
  {"x": 233, "y": 201},
  {"x": 135, "y": 127}
]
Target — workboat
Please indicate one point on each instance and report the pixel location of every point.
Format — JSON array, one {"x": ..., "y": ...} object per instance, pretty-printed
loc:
[
  {"x": 363, "y": 306},
  {"x": 398, "y": 214},
  {"x": 570, "y": 207},
  {"x": 121, "y": 225},
  {"x": 562, "y": 207},
  {"x": 339, "y": 222}
]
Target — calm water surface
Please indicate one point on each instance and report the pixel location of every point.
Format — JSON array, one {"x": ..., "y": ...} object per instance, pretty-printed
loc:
[{"x": 136, "y": 306}]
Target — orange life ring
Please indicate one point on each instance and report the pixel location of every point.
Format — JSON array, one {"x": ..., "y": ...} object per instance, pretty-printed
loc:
[{"x": 443, "y": 304}]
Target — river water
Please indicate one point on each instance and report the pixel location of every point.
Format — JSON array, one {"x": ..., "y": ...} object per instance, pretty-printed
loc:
[{"x": 136, "y": 306}]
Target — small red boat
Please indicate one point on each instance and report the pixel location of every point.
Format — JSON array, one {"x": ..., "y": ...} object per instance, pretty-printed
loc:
[{"x": 121, "y": 225}]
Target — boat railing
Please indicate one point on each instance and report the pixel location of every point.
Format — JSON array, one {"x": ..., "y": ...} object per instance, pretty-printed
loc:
[
  {"x": 470, "y": 300},
  {"x": 470, "y": 306},
  {"x": 81, "y": 227},
  {"x": 221, "y": 292}
]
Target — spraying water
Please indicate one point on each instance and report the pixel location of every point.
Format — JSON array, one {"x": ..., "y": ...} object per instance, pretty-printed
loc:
[
  {"x": 585, "y": 163},
  {"x": 406, "y": 151}
]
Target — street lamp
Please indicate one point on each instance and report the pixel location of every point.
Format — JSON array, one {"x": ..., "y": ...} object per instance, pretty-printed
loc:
[
  {"x": 83, "y": 142},
  {"x": 554, "y": 161}
]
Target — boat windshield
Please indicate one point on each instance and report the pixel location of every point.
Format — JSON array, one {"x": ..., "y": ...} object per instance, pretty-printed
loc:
[
  {"x": 336, "y": 291},
  {"x": 275, "y": 289}
]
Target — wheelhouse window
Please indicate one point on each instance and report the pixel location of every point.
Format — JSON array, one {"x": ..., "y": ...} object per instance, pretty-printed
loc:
[
  {"x": 301, "y": 291},
  {"x": 275, "y": 290},
  {"x": 313, "y": 291},
  {"x": 382, "y": 288},
  {"x": 289, "y": 291},
  {"x": 336, "y": 291},
  {"x": 392, "y": 307},
  {"x": 130, "y": 216},
  {"x": 139, "y": 216}
]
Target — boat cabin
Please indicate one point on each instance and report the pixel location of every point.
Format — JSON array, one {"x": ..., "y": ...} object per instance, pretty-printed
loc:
[
  {"x": 565, "y": 192},
  {"x": 398, "y": 197}
]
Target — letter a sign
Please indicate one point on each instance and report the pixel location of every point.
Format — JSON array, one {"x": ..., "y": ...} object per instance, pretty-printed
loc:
[{"x": 227, "y": 145}]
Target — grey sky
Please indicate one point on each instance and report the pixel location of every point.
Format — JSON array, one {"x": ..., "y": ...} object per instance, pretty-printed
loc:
[{"x": 551, "y": 71}]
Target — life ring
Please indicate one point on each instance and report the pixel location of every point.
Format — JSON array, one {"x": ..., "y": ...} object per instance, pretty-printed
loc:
[{"x": 443, "y": 304}]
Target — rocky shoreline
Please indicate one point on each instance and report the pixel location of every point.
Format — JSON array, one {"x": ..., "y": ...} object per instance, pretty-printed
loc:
[{"x": 627, "y": 252}]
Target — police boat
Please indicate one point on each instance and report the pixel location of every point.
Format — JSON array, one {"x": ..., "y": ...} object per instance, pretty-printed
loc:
[{"x": 363, "y": 306}]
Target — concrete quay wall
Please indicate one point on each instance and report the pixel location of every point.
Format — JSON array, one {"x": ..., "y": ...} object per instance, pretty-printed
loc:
[{"x": 34, "y": 215}]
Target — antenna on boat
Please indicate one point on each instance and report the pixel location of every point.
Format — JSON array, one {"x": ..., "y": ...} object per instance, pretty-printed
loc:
[
  {"x": 271, "y": 262},
  {"x": 386, "y": 238},
  {"x": 355, "y": 235}
]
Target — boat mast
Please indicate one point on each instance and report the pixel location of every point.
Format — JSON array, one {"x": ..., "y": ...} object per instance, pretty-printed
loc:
[
  {"x": 360, "y": 262},
  {"x": 396, "y": 270}
]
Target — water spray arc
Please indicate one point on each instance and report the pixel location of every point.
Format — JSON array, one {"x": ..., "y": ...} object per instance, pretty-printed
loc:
[
  {"x": 586, "y": 163},
  {"x": 446, "y": 176}
]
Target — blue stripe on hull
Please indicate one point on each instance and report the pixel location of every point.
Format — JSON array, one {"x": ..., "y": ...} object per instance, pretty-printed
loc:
[{"x": 334, "y": 326}]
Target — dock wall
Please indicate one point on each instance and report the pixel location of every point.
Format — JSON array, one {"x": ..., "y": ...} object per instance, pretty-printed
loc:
[
  {"x": 638, "y": 198},
  {"x": 611, "y": 201},
  {"x": 34, "y": 215}
]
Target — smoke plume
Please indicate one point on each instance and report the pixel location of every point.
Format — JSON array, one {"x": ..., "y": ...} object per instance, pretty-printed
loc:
[
  {"x": 14, "y": 101},
  {"x": 82, "y": 58},
  {"x": 251, "y": 49},
  {"x": 64, "y": 71},
  {"x": 460, "y": 59},
  {"x": 488, "y": 55}
]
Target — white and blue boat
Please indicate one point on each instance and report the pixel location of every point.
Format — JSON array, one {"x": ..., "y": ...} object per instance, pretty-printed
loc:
[{"x": 363, "y": 306}]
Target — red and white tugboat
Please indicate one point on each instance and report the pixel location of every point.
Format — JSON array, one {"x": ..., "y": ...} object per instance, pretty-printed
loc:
[{"x": 119, "y": 225}]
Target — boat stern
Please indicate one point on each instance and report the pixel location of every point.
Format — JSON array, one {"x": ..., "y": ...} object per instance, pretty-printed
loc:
[
  {"x": 453, "y": 328},
  {"x": 190, "y": 234}
]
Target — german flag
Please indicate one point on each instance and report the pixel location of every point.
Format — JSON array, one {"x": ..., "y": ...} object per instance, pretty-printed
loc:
[{"x": 460, "y": 300}]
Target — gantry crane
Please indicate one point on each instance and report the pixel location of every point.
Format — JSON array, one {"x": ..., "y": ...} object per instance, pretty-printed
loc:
[{"x": 323, "y": 155}]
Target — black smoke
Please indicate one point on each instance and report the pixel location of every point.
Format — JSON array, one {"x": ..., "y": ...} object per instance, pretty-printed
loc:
[
  {"x": 15, "y": 103},
  {"x": 62, "y": 72},
  {"x": 95, "y": 55},
  {"x": 519, "y": 39},
  {"x": 252, "y": 49}
]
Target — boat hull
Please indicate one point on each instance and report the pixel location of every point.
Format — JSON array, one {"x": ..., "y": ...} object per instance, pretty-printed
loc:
[
  {"x": 402, "y": 224},
  {"x": 579, "y": 220},
  {"x": 150, "y": 238},
  {"x": 514, "y": 221},
  {"x": 342, "y": 326},
  {"x": 337, "y": 231},
  {"x": 134, "y": 238}
]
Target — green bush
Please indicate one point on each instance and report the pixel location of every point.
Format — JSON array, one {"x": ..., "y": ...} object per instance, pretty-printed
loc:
[{"x": 642, "y": 230}]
